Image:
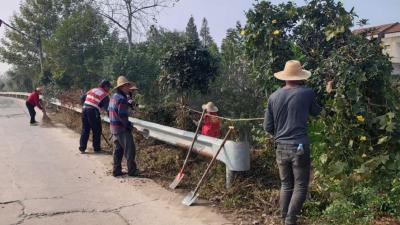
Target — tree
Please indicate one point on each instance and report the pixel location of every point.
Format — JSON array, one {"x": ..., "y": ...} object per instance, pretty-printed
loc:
[
  {"x": 192, "y": 36},
  {"x": 206, "y": 38},
  {"x": 36, "y": 19},
  {"x": 76, "y": 49},
  {"x": 268, "y": 41},
  {"x": 356, "y": 139},
  {"x": 187, "y": 67},
  {"x": 131, "y": 16},
  {"x": 160, "y": 41},
  {"x": 234, "y": 86}
]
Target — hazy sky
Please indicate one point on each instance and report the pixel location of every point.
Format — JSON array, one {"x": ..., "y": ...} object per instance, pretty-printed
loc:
[{"x": 223, "y": 14}]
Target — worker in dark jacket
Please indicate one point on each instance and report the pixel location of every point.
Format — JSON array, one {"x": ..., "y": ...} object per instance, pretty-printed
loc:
[
  {"x": 32, "y": 101},
  {"x": 121, "y": 128},
  {"x": 286, "y": 119},
  {"x": 94, "y": 101}
]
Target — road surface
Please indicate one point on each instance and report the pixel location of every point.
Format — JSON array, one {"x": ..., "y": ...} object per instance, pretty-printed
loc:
[{"x": 45, "y": 180}]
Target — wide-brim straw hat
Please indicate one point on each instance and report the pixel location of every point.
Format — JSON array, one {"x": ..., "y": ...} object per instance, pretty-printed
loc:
[
  {"x": 293, "y": 71},
  {"x": 134, "y": 87},
  {"x": 122, "y": 80},
  {"x": 40, "y": 88},
  {"x": 210, "y": 107}
]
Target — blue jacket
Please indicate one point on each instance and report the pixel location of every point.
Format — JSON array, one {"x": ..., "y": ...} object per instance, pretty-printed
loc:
[{"x": 118, "y": 113}]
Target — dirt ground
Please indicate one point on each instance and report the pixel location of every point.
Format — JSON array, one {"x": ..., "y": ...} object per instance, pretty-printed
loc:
[
  {"x": 253, "y": 199},
  {"x": 250, "y": 201}
]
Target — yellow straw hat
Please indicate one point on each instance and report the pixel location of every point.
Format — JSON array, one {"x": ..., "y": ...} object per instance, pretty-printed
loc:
[
  {"x": 122, "y": 80},
  {"x": 293, "y": 71},
  {"x": 210, "y": 107},
  {"x": 40, "y": 88}
]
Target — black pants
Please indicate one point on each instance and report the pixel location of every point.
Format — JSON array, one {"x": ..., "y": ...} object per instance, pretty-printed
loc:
[
  {"x": 124, "y": 144},
  {"x": 90, "y": 121},
  {"x": 32, "y": 112}
]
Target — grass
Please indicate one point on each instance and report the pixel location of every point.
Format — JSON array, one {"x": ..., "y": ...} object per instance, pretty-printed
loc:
[{"x": 253, "y": 198}]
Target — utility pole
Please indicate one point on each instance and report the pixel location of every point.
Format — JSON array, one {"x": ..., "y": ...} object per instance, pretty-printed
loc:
[{"x": 39, "y": 46}]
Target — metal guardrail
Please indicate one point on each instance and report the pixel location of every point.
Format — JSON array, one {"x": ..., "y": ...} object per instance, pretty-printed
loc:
[{"x": 235, "y": 155}]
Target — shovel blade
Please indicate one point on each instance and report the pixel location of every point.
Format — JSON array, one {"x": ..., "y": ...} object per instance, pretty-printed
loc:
[
  {"x": 190, "y": 198},
  {"x": 177, "y": 180}
]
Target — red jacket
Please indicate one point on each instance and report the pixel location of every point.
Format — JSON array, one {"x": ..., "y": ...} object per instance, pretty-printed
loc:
[
  {"x": 33, "y": 99},
  {"x": 211, "y": 126}
]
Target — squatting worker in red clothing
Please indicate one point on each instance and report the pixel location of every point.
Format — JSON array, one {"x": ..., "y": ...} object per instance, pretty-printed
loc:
[
  {"x": 211, "y": 124},
  {"x": 32, "y": 101}
]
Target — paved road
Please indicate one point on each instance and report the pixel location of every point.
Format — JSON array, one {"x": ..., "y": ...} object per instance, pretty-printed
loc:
[{"x": 45, "y": 180}]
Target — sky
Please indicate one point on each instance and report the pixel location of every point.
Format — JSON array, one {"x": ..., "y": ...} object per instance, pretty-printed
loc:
[{"x": 223, "y": 14}]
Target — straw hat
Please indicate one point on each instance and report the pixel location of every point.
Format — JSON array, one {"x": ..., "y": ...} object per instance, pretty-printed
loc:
[
  {"x": 40, "y": 88},
  {"x": 293, "y": 71},
  {"x": 123, "y": 80},
  {"x": 134, "y": 87},
  {"x": 210, "y": 107}
]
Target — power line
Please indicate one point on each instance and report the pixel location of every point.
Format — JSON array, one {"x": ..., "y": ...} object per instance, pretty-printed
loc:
[
  {"x": 17, "y": 30},
  {"x": 37, "y": 40}
]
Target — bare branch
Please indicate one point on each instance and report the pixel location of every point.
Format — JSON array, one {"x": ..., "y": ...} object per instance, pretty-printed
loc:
[
  {"x": 131, "y": 15},
  {"x": 113, "y": 20}
]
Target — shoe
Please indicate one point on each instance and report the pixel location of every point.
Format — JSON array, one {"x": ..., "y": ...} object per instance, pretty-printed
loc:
[
  {"x": 82, "y": 150},
  {"x": 34, "y": 123},
  {"x": 117, "y": 174},
  {"x": 135, "y": 174},
  {"x": 97, "y": 151}
]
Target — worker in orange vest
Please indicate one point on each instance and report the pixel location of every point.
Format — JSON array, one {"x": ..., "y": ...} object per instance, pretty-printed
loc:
[{"x": 94, "y": 102}]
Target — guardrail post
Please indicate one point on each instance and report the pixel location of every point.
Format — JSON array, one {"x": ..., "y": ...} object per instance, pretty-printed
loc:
[{"x": 229, "y": 178}]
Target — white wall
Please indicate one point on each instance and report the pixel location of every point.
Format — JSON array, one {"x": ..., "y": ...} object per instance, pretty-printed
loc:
[
  {"x": 392, "y": 44},
  {"x": 392, "y": 47}
]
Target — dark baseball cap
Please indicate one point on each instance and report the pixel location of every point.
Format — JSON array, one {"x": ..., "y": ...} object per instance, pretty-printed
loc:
[{"x": 105, "y": 84}]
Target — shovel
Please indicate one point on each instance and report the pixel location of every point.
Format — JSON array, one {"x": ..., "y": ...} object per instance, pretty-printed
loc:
[
  {"x": 192, "y": 196},
  {"x": 108, "y": 143},
  {"x": 180, "y": 175}
]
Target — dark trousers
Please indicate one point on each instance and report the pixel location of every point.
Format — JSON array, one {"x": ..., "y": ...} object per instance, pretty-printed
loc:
[
  {"x": 294, "y": 172},
  {"x": 32, "y": 112},
  {"x": 124, "y": 144},
  {"x": 90, "y": 121}
]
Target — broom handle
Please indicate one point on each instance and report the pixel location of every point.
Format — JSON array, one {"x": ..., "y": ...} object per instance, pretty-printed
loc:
[
  {"x": 212, "y": 161},
  {"x": 104, "y": 137},
  {"x": 193, "y": 141}
]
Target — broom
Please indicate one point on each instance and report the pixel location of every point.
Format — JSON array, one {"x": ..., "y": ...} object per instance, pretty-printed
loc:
[{"x": 45, "y": 118}]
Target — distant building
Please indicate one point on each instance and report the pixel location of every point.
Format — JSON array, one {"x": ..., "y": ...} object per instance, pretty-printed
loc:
[{"x": 390, "y": 34}]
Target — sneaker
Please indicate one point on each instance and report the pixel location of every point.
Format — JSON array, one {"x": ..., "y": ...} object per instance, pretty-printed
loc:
[
  {"x": 81, "y": 150},
  {"x": 117, "y": 174},
  {"x": 34, "y": 123}
]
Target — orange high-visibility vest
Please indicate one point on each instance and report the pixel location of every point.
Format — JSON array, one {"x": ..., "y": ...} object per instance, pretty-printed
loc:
[{"x": 95, "y": 96}]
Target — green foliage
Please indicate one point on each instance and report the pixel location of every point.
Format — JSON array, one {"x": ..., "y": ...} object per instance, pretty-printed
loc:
[
  {"x": 268, "y": 41},
  {"x": 36, "y": 19},
  {"x": 234, "y": 89},
  {"x": 192, "y": 36},
  {"x": 206, "y": 39},
  {"x": 355, "y": 141},
  {"x": 187, "y": 67},
  {"x": 76, "y": 50}
]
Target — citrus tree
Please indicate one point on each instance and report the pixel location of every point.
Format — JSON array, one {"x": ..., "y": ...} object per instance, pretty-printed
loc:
[{"x": 355, "y": 140}]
